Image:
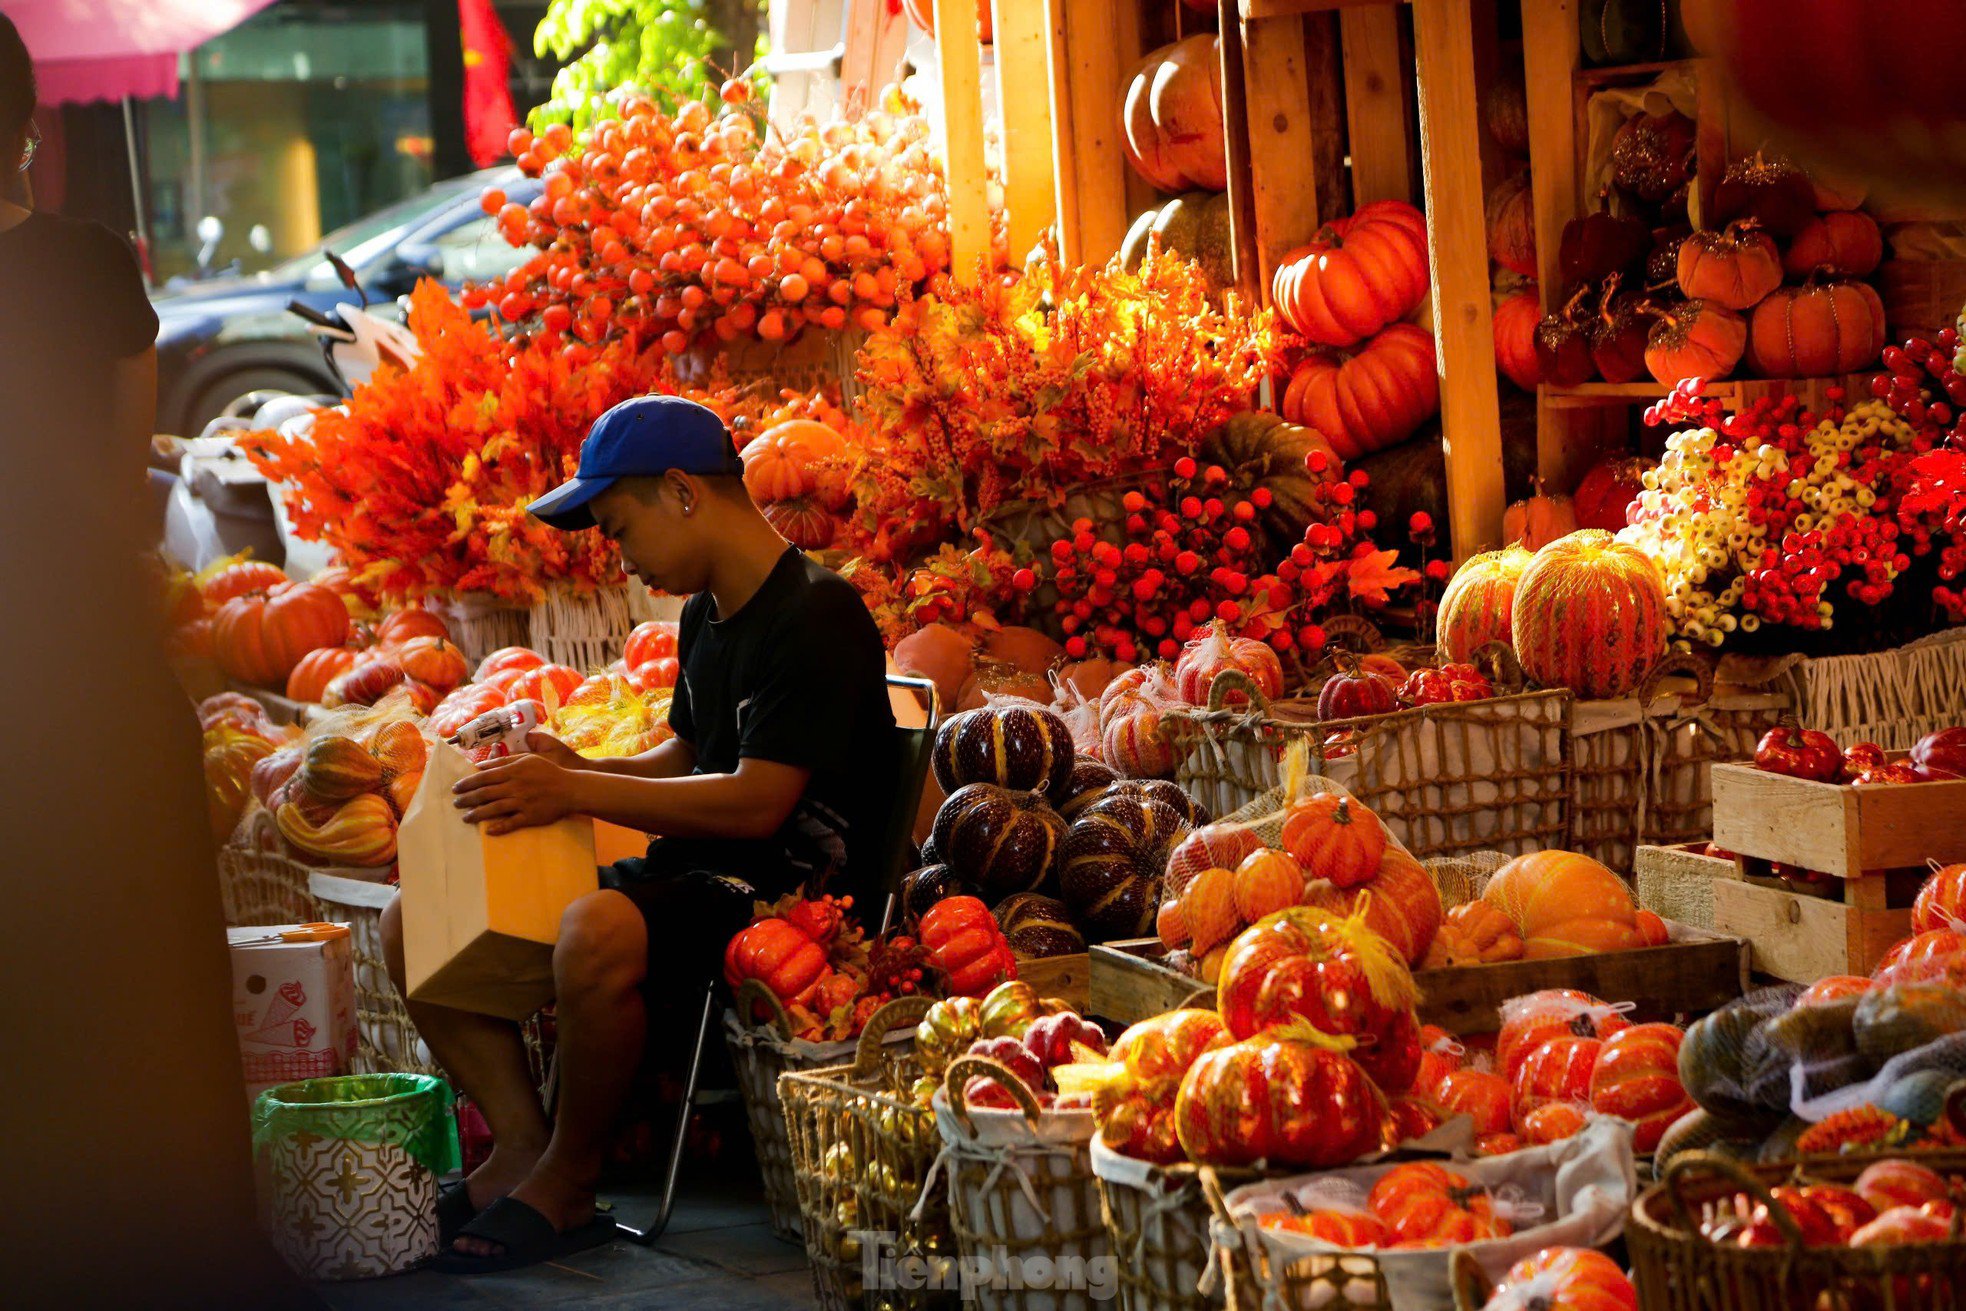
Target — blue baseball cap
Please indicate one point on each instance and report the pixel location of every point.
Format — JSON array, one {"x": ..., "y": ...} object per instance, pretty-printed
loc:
[{"x": 644, "y": 436}]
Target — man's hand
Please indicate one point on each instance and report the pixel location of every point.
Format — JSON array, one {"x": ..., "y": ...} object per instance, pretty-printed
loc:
[
  {"x": 542, "y": 743},
  {"x": 523, "y": 791}
]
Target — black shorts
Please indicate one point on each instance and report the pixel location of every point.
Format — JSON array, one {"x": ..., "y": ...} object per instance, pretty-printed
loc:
[{"x": 694, "y": 897}]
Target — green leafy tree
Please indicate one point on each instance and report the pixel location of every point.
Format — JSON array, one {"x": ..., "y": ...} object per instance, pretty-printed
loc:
[{"x": 670, "y": 49}]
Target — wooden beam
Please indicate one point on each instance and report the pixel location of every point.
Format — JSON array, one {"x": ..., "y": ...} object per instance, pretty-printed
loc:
[
  {"x": 1235, "y": 127},
  {"x": 1030, "y": 187},
  {"x": 959, "y": 54},
  {"x": 1294, "y": 8},
  {"x": 1457, "y": 245},
  {"x": 1378, "y": 105},
  {"x": 876, "y": 42},
  {"x": 1091, "y": 54},
  {"x": 1324, "y": 67},
  {"x": 1283, "y": 146}
]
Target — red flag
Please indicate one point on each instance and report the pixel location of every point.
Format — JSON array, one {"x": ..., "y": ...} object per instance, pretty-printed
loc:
[{"x": 488, "y": 114}]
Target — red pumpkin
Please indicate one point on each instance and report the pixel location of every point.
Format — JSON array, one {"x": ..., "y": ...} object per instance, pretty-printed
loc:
[
  {"x": 1557, "y": 1071},
  {"x": 1941, "y": 903},
  {"x": 310, "y": 678},
  {"x": 1932, "y": 955},
  {"x": 1530, "y": 1021},
  {"x": 1566, "y": 1279},
  {"x": 803, "y": 522},
  {"x": 1903, "y": 1224},
  {"x": 507, "y": 660},
  {"x": 1355, "y": 691},
  {"x": 1480, "y": 1095},
  {"x": 1515, "y": 339},
  {"x": 1288, "y": 1098},
  {"x": 1608, "y": 491},
  {"x": 240, "y": 579},
  {"x": 655, "y": 674},
  {"x": 778, "y": 956},
  {"x": 1351, "y": 1230},
  {"x": 550, "y": 685},
  {"x": 1733, "y": 268},
  {"x": 463, "y": 706},
  {"x": 1134, "y": 743},
  {"x": 1477, "y": 606},
  {"x": 1694, "y": 339},
  {"x": 1843, "y": 244},
  {"x": 1551, "y": 1122},
  {"x": 1371, "y": 399},
  {"x": 1440, "y": 1056},
  {"x": 1835, "y": 988},
  {"x": 654, "y": 639},
  {"x": 1333, "y": 837},
  {"x": 1816, "y": 330},
  {"x": 409, "y": 623},
  {"x": 1213, "y": 652},
  {"x": 259, "y": 637},
  {"x": 433, "y": 661},
  {"x": 965, "y": 943},
  {"x": 1135, "y": 1109},
  {"x": 1589, "y": 615},
  {"x": 1424, "y": 1204},
  {"x": 1889, "y": 1184},
  {"x": 1637, "y": 1079},
  {"x": 1172, "y": 116},
  {"x": 1356, "y": 276},
  {"x": 1512, "y": 225}
]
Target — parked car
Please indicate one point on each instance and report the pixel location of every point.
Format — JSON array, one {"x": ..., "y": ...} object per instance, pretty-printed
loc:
[{"x": 221, "y": 339}]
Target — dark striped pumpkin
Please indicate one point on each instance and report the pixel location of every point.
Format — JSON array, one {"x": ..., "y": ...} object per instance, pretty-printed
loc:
[
  {"x": 1169, "y": 794},
  {"x": 1018, "y": 747},
  {"x": 1088, "y": 782},
  {"x": 997, "y": 840},
  {"x": 1590, "y": 615},
  {"x": 922, "y": 888},
  {"x": 1038, "y": 926},
  {"x": 1113, "y": 859}
]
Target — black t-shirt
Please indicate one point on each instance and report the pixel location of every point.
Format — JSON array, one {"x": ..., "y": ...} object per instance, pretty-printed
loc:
[{"x": 797, "y": 676}]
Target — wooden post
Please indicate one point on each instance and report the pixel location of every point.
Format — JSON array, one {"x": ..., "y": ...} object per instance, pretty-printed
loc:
[
  {"x": 876, "y": 43},
  {"x": 959, "y": 54},
  {"x": 1378, "y": 106},
  {"x": 1283, "y": 146},
  {"x": 1235, "y": 120},
  {"x": 1091, "y": 52},
  {"x": 1030, "y": 189},
  {"x": 1457, "y": 244}
]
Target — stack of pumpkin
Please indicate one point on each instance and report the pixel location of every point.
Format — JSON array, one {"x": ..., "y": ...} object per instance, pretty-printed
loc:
[
  {"x": 1334, "y": 854},
  {"x": 799, "y": 472},
  {"x": 1775, "y": 278},
  {"x": 411, "y": 650},
  {"x": 337, "y": 797},
  {"x": 253, "y": 621},
  {"x": 1065, "y": 848},
  {"x": 621, "y": 711}
]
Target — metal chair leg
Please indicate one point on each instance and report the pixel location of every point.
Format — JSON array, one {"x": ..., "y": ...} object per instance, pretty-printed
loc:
[{"x": 653, "y": 1231}]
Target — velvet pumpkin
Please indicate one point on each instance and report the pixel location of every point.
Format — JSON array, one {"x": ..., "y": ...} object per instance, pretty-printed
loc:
[
  {"x": 1512, "y": 225},
  {"x": 1477, "y": 605},
  {"x": 259, "y": 637},
  {"x": 1589, "y": 615},
  {"x": 1565, "y": 904},
  {"x": 1816, "y": 330},
  {"x": 1694, "y": 339},
  {"x": 1733, "y": 268},
  {"x": 1371, "y": 399},
  {"x": 1515, "y": 339},
  {"x": 1606, "y": 492},
  {"x": 1846, "y": 244},
  {"x": 1356, "y": 276}
]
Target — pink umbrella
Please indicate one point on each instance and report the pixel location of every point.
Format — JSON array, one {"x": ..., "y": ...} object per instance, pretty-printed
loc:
[{"x": 111, "y": 49}]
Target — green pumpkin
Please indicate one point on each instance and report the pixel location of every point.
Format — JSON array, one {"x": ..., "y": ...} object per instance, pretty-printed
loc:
[
  {"x": 1822, "y": 1038},
  {"x": 1194, "y": 224},
  {"x": 1918, "y": 1097},
  {"x": 1631, "y": 31},
  {"x": 1729, "y": 1068},
  {"x": 1259, "y": 449},
  {"x": 1905, "y": 1016}
]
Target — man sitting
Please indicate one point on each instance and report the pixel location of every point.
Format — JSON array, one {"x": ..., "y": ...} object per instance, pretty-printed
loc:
[{"x": 779, "y": 775}]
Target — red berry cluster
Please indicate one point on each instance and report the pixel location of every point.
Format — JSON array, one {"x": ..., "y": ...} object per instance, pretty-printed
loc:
[
  {"x": 1191, "y": 553},
  {"x": 1913, "y": 372},
  {"x": 1932, "y": 508}
]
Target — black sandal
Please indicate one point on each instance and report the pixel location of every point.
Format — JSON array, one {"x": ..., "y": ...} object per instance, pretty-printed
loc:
[
  {"x": 525, "y": 1236},
  {"x": 454, "y": 1211}
]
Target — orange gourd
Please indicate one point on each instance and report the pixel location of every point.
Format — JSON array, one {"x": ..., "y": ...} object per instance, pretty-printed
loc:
[
  {"x": 1334, "y": 837},
  {"x": 1356, "y": 276},
  {"x": 434, "y": 661},
  {"x": 1266, "y": 882},
  {"x": 1171, "y": 924},
  {"x": 1402, "y": 905},
  {"x": 1209, "y": 908},
  {"x": 1478, "y": 1094},
  {"x": 1487, "y": 929},
  {"x": 413, "y": 622},
  {"x": 1565, "y": 904},
  {"x": 1590, "y": 615},
  {"x": 1478, "y": 603},
  {"x": 1171, "y": 116},
  {"x": 1637, "y": 1078}
]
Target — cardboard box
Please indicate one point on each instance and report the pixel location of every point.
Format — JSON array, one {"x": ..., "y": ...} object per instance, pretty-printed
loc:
[
  {"x": 481, "y": 913},
  {"x": 293, "y": 1000},
  {"x": 612, "y": 842}
]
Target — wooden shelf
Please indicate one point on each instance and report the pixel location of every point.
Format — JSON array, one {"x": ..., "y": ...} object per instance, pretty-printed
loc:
[
  {"x": 1737, "y": 392},
  {"x": 1596, "y": 79},
  {"x": 1603, "y": 393},
  {"x": 1253, "y": 9}
]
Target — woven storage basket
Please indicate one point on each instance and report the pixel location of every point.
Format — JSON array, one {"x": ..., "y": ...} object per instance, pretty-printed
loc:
[
  {"x": 759, "y": 1053},
  {"x": 1022, "y": 1199},
  {"x": 1488, "y": 775},
  {"x": 1157, "y": 1219},
  {"x": 862, "y": 1151},
  {"x": 387, "y": 1041},
  {"x": 1645, "y": 777},
  {"x": 480, "y": 623},
  {"x": 1677, "y": 1268},
  {"x": 815, "y": 360},
  {"x": 582, "y": 630},
  {"x": 1892, "y": 698},
  {"x": 258, "y": 882},
  {"x": 1677, "y": 884}
]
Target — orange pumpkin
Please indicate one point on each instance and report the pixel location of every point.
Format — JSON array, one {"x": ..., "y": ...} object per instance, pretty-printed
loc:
[
  {"x": 1538, "y": 521},
  {"x": 1288, "y": 1097},
  {"x": 1371, "y": 399},
  {"x": 1265, "y": 882},
  {"x": 1135, "y": 1108},
  {"x": 1694, "y": 339},
  {"x": 1402, "y": 905},
  {"x": 1733, "y": 268},
  {"x": 1172, "y": 115},
  {"x": 1133, "y": 744},
  {"x": 1637, "y": 1079},
  {"x": 1220, "y": 845},
  {"x": 239, "y": 579},
  {"x": 1424, "y": 1204},
  {"x": 1941, "y": 902},
  {"x": 1589, "y": 615},
  {"x": 1532, "y": 1020},
  {"x": 410, "y": 623},
  {"x": 1482, "y": 1096},
  {"x": 1816, "y": 330},
  {"x": 1492, "y": 934},
  {"x": 1552, "y": 1122},
  {"x": 779, "y": 462},
  {"x": 434, "y": 661},
  {"x": 1476, "y": 607},
  {"x": 1557, "y": 1071},
  {"x": 802, "y": 522},
  {"x": 1214, "y": 652},
  {"x": 310, "y": 678},
  {"x": 259, "y": 637},
  {"x": 1565, "y": 904},
  {"x": 1351, "y": 1230},
  {"x": 1171, "y": 923},
  {"x": 1450, "y": 949},
  {"x": 1440, "y": 1056},
  {"x": 1512, "y": 225},
  {"x": 1209, "y": 908},
  {"x": 1515, "y": 339},
  {"x": 1845, "y": 244},
  {"x": 1333, "y": 837},
  {"x": 1356, "y": 275}
]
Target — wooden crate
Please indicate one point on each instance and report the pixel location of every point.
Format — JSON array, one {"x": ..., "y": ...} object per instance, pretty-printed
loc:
[
  {"x": 1799, "y": 937},
  {"x": 1698, "y": 971},
  {"x": 1068, "y": 978},
  {"x": 1836, "y": 828}
]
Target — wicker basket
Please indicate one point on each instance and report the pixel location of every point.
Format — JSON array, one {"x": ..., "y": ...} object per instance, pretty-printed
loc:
[
  {"x": 1677, "y": 1268},
  {"x": 582, "y": 630},
  {"x": 1157, "y": 1218},
  {"x": 1892, "y": 698},
  {"x": 480, "y": 623},
  {"x": 1489, "y": 775},
  {"x": 387, "y": 1041},
  {"x": 862, "y": 1152},
  {"x": 1644, "y": 776},
  {"x": 1022, "y": 1199},
  {"x": 759, "y": 1053},
  {"x": 258, "y": 882}
]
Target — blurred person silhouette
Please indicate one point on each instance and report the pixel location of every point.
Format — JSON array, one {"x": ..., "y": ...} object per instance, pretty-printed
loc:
[{"x": 128, "y": 1180}]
